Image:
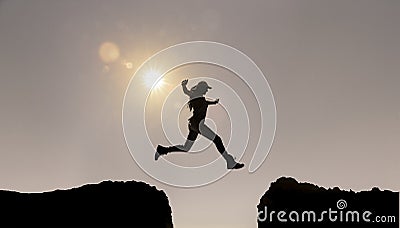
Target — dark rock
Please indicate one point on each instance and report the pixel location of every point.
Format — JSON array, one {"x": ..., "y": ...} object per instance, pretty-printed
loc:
[
  {"x": 107, "y": 204},
  {"x": 292, "y": 197}
]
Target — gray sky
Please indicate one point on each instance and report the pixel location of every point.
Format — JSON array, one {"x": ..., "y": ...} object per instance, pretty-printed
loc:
[{"x": 333, "y": 67}]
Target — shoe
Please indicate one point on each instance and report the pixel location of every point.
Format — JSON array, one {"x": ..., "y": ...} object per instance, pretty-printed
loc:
[
  {"x": 230, "y": 162},
  {"x": 236, "y": 166},
  {"x": 156, "y": 156},
  {"x": 161, "y": 150}
]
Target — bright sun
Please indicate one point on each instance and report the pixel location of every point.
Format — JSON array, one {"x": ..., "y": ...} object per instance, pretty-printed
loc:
[{"x": 150, "y": 80}]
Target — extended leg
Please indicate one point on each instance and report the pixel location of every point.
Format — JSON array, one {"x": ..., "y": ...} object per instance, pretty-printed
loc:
[
  {"x": 209, "y": 134},
  {"x": 181, "y": 148},
  {"x": 161, "y": 150}
]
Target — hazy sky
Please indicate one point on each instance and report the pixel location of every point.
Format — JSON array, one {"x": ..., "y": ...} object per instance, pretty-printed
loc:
[{"x": 333, "y": 67}]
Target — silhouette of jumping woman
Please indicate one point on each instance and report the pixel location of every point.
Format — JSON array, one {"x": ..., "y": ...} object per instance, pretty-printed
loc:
[{"x": 199, "y": 105}]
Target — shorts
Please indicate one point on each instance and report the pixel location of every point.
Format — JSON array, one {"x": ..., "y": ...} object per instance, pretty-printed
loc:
[{"x": 193, "y": 130}]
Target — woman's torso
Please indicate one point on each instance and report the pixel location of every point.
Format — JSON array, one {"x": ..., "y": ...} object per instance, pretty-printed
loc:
[{"x": 199, "y": 106}]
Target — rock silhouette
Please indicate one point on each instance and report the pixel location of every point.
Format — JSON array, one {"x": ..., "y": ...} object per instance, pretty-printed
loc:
[
  {"x": 301, "y": 199},
  {"x": 107, "y": 204}
]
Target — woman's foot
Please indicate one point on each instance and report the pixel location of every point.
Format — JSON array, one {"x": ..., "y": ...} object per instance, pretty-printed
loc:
[
  {"x": 160, "y": 151},
  {"x": 156, "y": 156},
  {"x": 236, "y": 166},
  {"x": 230, "y": 162}
]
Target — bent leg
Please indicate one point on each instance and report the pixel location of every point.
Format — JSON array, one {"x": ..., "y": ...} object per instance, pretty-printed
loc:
[
  {"x": 185, "y": 147},
  {"x": 192, "y": 136},
  {"x": 176, "y": 148}
]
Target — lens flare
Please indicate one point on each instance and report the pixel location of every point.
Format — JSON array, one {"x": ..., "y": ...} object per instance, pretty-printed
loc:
[
  {"x": 151, "y": 80},
  {"x": 109, "y": 52}
]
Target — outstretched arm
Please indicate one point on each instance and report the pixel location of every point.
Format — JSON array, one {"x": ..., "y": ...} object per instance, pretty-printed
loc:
[
  {"x": 185, "y": 90},
  {"x": 213, "y": 102}
]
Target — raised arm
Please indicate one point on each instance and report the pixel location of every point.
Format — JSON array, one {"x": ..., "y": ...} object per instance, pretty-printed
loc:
[{"x": 185, "y": 90}]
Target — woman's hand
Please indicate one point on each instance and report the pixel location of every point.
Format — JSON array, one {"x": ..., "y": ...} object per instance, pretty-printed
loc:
[
  {"x": 184, "y": 82},
  {"x": 216, "y": 101}
]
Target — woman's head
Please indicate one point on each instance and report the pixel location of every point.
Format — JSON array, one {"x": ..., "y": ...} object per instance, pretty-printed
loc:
[{"x": 200, "y": 89}]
